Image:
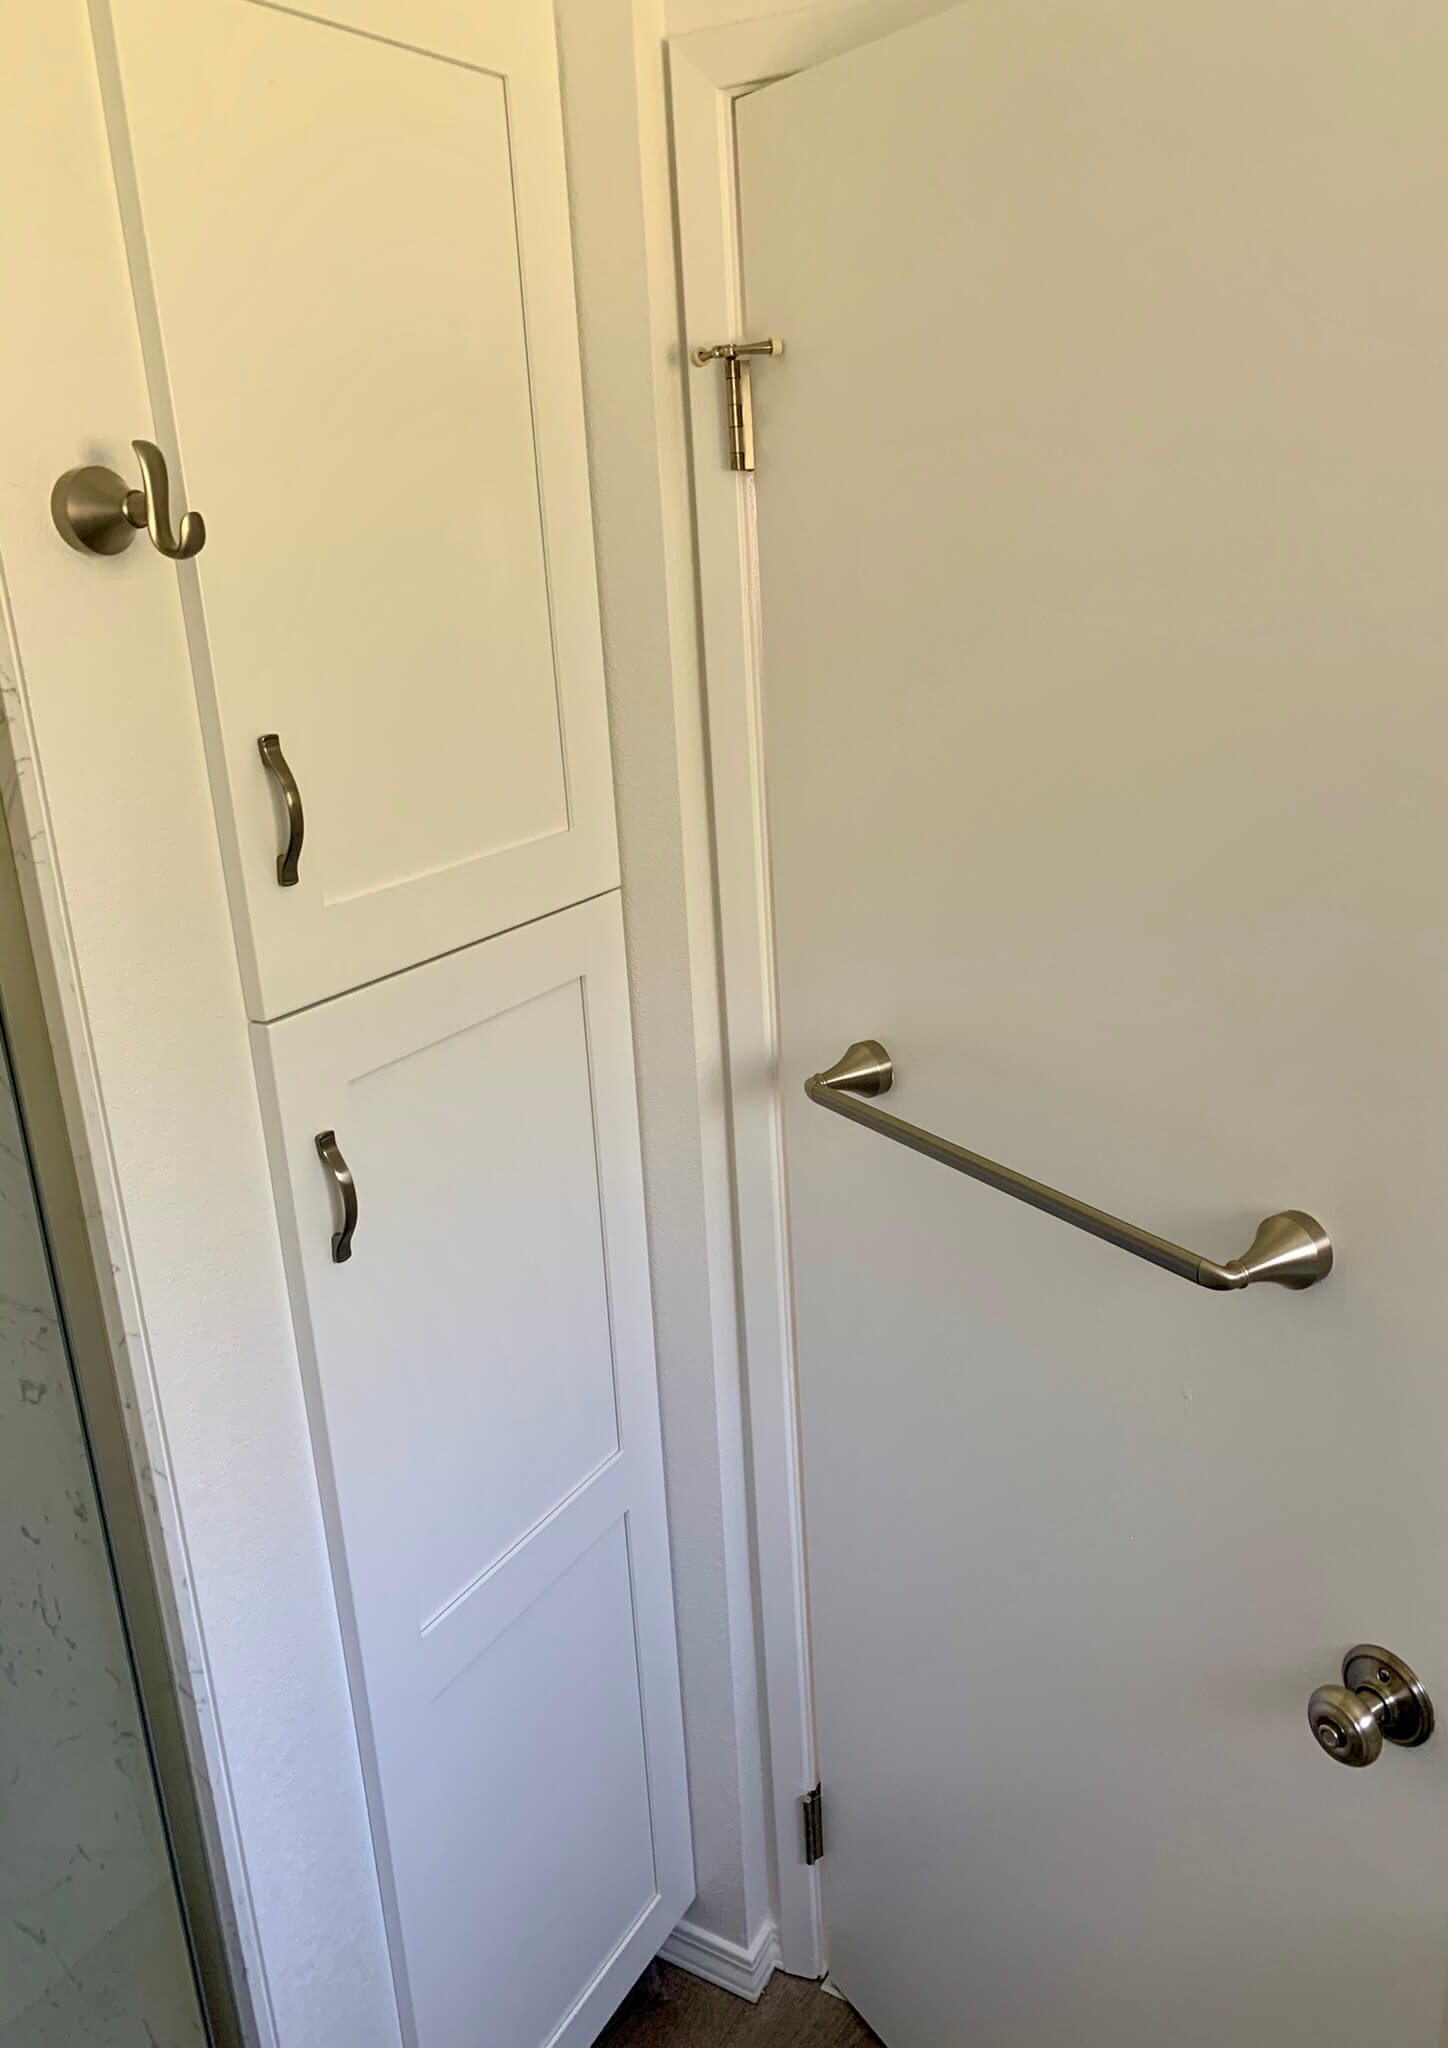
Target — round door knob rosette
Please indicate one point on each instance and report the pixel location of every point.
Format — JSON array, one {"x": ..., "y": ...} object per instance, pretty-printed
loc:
[{"x": 1380, "y": 1700}]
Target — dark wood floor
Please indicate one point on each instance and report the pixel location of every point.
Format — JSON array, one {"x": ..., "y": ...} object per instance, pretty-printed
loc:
[{"x": 669, "y": 2009}]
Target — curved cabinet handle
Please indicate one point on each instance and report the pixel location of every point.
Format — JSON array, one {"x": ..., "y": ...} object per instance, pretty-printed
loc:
[
  {"x": 269, "y": 746},
  {"x": 330, "y": 1154},
  {"x": 98, "y": 512},
  {"x": 1290, "y": 1248}
]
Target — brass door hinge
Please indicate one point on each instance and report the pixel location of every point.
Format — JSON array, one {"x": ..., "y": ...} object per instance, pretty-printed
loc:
[
  {"x": 812, "y": 1808},
  {"x": 737, "y": 399}
]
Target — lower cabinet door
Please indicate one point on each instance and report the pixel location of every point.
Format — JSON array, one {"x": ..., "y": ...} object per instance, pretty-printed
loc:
[{"x": 481, "y": 1386}]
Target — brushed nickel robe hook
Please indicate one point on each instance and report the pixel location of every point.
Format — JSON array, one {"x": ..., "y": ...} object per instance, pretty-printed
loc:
[{"x": 99, "y": 513}]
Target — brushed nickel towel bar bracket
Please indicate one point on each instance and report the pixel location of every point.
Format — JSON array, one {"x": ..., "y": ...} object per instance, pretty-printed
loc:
[
  {"x": 738, "y": 399},
  {"x": 1291, "y": 1248}
]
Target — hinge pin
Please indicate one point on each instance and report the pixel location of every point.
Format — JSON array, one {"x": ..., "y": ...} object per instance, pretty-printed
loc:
[
  {"x": 812, "y": 1808},
  {"x": 739, "y": 404}
]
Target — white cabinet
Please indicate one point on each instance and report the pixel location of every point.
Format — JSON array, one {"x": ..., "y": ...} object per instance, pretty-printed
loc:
[
  {"x": 349, "y": 234},
  {"x": 481, "y": 1386}
]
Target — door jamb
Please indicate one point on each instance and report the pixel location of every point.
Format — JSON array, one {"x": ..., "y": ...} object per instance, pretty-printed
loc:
[{"x": 708, "y": 70}]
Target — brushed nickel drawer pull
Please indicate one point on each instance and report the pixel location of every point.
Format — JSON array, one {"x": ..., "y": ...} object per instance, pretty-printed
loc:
[
  {"x": 330, "y": 1154},
  {"x": 1290, "y": 1248},
  {"x": 269, "y": 747}
]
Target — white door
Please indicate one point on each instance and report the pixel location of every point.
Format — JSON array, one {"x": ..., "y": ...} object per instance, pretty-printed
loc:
[
  {"x": 481, "y": 1380},
  {"x": 348, "y": 232},
  {"x": 1101, "y": 498}
]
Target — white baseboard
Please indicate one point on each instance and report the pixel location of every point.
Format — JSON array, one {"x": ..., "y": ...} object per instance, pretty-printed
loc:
[{"x": 744, "y": 1971}]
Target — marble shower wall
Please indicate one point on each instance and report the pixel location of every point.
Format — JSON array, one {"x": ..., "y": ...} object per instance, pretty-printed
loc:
[{"x": 92, "y": 1953}]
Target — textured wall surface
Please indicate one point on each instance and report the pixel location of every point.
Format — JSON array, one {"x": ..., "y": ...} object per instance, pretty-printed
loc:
[{"x": 91, "y": 1948}]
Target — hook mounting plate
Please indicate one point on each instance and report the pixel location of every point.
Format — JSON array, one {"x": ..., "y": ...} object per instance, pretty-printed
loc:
[{"x": 92, "y": 511}]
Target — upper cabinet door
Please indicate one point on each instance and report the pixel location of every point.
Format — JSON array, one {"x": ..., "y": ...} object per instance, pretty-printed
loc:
[{"x": 349, "y": 233}]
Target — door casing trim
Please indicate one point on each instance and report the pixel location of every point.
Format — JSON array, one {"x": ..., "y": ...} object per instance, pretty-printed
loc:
[{"x": 708, "y": 70}]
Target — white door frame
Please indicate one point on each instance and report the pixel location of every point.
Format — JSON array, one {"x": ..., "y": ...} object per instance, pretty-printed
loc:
[{"x": 708, "y": 70}]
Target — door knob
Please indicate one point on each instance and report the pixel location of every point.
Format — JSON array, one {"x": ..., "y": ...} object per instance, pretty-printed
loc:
[
  {"x": 98, "y": 512},
  {"x": 1380, "y": 1700}
]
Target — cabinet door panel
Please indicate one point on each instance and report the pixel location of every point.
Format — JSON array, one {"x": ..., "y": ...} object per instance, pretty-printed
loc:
[
  {"x": 482, "y": 1396},
  {"x": 352, "y": 228}
]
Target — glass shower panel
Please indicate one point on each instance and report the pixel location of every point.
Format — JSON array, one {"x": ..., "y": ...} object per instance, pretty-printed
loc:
[{"x": 93, "y": 1952}]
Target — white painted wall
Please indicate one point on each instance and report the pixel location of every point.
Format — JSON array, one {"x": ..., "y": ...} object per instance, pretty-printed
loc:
[
  {"x": 617, "y": 122},
  {"x": 612, "y": 58}
]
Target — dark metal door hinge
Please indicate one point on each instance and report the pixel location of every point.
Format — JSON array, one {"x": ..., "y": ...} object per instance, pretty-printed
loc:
[
  {"x": 812, "y": 1807},
  {"x": 739, "y": 406}
]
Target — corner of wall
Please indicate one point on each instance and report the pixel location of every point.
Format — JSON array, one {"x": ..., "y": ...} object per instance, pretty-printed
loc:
[{"x": 611, "y": 54}]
